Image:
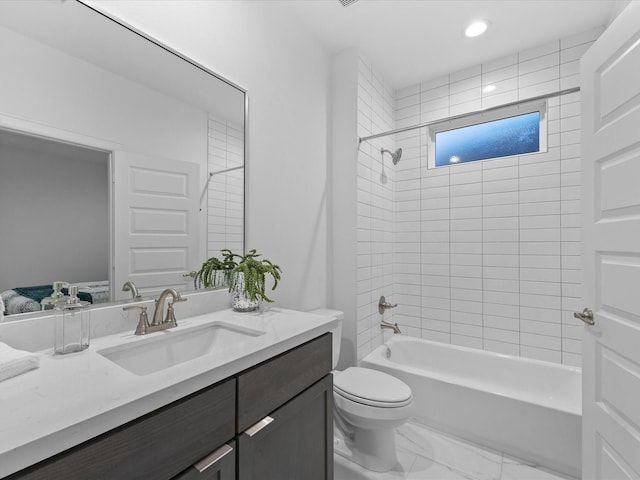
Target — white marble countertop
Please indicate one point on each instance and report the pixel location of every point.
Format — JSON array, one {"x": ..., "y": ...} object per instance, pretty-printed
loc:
[{"x": 72, "y": 398}]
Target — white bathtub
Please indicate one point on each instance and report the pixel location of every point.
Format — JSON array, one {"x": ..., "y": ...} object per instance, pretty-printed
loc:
[{"x": 522, "y": 407}]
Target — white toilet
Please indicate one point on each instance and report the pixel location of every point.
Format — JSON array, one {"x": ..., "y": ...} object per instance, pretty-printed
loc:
[{"x": 369, "y": 406}]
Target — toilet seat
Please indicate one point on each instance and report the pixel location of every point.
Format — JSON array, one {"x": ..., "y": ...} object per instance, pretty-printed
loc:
[{"x": 372, "y": 388}]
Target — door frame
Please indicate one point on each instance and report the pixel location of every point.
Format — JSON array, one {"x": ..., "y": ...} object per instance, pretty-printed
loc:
[{"x": 47, "y": 132}]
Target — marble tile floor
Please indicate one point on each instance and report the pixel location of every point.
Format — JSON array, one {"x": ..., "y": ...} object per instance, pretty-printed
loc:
[{"x": 427, "y": 454}]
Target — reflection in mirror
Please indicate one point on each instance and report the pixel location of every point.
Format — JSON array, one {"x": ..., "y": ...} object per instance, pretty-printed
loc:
[
  {"x": 122, "y": 161},
  {"x": 57, "y": 196}
]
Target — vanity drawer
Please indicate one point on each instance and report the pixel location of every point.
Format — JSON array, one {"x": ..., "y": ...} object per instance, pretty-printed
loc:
[
  {"x": 264, "y": 388},
  {"x": 156, "y": 446}
]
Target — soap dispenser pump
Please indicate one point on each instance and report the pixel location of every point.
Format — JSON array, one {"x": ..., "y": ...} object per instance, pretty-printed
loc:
[
  {"x": 72, "y": 324},
  {"x": 57, "y": 297}
]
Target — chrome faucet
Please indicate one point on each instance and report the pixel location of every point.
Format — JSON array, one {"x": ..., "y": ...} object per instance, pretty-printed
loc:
[
  {"x": 129, "y": 286},
  {"x": 392, "y": 326},
  {"x": 170, "y": 320},
  {"x": 158, "y": 322}
]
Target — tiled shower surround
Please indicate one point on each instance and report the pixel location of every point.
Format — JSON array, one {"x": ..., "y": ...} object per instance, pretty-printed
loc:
[
  {"x": 485, "y": 254},
  {"x": 226, "y": 190},
  {"x": 375, "y": 205}
]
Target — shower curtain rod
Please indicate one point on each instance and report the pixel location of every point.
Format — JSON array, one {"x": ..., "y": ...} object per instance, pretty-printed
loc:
[
  {"x": 463, "y": 115},
  {"x": 211, "y": 174}
]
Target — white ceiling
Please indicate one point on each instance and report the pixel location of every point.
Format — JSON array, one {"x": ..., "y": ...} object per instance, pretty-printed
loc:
[{"x": 410, "y": 41}]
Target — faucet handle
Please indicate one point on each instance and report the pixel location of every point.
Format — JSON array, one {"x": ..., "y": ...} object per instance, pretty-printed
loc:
[
  {"x": 383, "y": 305},
  {"x": 171, "y": 318},
  {"x": 143, "y": 321}
]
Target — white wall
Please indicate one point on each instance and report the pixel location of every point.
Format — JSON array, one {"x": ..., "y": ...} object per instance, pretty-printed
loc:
[
  {"x": 342, "y": 229},
  {"x": 286, "y": 75},
  {"x": 498, "y": 241},
  {"x": 87, "y": 100},
  {"x": 55, "y": 217}
]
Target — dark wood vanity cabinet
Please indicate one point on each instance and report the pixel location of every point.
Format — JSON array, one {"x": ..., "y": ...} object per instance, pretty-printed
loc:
[
  {"x": 271, "y": 421},
  {"x": 296, "y": 444},
  {"x": 158, "y": 445},
  {"x": 285, "y": 414}
]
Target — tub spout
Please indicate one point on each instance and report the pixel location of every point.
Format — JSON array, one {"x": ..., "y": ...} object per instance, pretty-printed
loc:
[{"x": 392, "y": 326}]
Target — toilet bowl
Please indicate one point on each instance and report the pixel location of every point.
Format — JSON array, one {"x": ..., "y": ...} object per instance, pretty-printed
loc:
[{"x": 368, "y": 406}]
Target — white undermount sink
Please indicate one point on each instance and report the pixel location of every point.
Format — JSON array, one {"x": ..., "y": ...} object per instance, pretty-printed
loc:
[{"x": 172, "y": 347}]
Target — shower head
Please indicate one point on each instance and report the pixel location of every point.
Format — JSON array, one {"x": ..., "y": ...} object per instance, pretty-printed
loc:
[{"x": 395, "y": 156}]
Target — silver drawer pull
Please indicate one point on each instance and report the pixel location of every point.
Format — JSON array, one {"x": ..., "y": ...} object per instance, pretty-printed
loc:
[
  {"x": 253, "y": 429},
  {"x": 212, "y": 458}
]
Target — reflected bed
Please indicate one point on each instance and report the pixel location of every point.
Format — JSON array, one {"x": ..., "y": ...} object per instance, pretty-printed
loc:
[{"x": 27, "y": 299}]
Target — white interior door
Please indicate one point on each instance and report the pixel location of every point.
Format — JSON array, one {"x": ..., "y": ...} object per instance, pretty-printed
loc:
[
  {"x": 610, "y": 73},
  {"x": 155, "y": 222}
]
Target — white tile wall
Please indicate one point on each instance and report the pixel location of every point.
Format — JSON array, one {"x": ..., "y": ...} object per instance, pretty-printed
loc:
[
  {"x": 225, "y": 204},
  {"x": 375, "y": 215},
  {"x": 487, "y": 254}
]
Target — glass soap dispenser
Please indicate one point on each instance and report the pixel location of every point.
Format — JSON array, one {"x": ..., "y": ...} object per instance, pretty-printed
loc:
[
  {"x": 57, "y": 297},
  {"x": 72, "y": 324}
]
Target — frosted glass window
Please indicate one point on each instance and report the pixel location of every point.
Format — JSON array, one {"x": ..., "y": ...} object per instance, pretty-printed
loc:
[
  {"x": 500, "y": 138},
  {"x": 514, "y": 130}
]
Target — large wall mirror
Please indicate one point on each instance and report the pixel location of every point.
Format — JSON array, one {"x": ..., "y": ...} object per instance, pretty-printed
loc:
[{"x": 121, "y": 159}]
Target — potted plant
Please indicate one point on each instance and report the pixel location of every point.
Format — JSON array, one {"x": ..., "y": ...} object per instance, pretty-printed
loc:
[
  {"x": 215, "y": 272},
  {"x": 248, "y": 281}
]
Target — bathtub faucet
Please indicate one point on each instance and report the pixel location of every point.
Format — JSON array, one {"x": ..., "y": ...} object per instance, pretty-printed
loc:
[{"x": 392, "y": 326}]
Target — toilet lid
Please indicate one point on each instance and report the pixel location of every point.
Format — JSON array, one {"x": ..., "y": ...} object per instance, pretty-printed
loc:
[{"x": 372, "y": 387}]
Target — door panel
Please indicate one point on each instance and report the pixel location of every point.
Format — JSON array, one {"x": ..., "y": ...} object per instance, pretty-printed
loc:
[
  {"x": 155, "y": 222},
  {"x": 613, "y": 466},
  {"x": 610, "y": 76}
]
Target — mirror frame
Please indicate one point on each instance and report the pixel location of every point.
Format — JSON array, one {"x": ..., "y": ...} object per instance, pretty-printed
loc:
[{"x": 26, "y": 127}]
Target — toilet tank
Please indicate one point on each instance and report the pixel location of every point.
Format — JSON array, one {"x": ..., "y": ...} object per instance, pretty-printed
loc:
[{"x": 337, "y": 331}]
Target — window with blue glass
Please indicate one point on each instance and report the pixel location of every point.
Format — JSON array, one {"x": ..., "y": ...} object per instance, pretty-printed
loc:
[{"x": 495, "y": 134}]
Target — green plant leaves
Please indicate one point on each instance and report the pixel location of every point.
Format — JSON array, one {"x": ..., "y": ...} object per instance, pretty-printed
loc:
[
  {"x": 255, "y": 272},
  {"x": 206, "y": 274}
]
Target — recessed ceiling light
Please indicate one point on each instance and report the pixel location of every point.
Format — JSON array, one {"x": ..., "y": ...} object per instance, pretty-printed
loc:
[
  {"x": 489, "y": 88},
  {"x": 476, "y": 28}
]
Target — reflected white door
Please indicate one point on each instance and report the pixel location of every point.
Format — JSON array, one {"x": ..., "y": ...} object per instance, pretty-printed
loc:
[
  {"x": 610, "y": 75},
  {"x": 155, "y": 222}
]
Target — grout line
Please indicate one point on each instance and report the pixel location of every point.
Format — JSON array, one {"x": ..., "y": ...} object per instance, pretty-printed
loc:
[{"x": 561, "y": 275}]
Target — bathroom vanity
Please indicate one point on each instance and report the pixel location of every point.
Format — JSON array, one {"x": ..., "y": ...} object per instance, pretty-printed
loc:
[{"x": 260, "y": 411}]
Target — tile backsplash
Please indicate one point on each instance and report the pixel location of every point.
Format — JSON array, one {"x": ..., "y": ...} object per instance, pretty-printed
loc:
[{"x": 485, "y": 254}]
